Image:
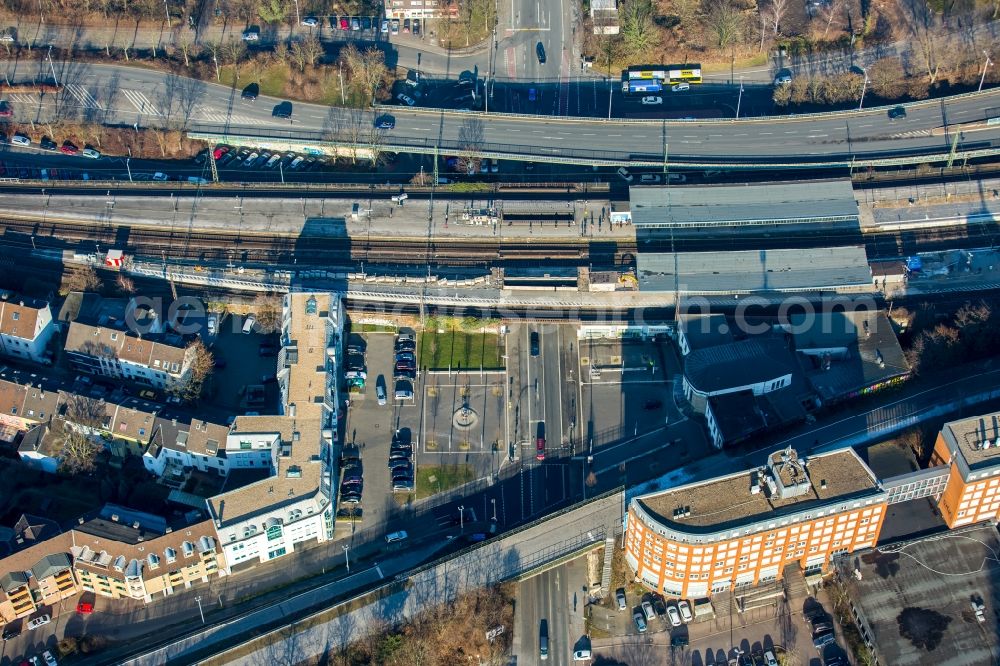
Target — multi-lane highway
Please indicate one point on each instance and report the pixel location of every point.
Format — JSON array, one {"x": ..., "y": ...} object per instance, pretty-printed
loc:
[{"x": 146, "y": 98}]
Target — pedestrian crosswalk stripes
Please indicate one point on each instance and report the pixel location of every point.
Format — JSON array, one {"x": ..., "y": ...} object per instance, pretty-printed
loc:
[
  {"x": 83, "y": 96},
  {"x": 141, "y": 103}
]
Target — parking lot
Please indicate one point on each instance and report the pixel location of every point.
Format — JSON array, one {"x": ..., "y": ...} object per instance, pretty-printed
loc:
[
  {"x": 246, "y": 381},
  {"x": 371, "y": 426}
]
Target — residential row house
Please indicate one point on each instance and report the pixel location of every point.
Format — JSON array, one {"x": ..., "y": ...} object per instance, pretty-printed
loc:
[
  {"x": 26, "y": 327},
  {"x": 110, "y": 557},
  {"x": 123, "y": 354}
]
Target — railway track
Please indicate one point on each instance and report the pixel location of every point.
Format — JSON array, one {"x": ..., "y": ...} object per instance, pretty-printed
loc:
[{"x": 255, "y": 247}]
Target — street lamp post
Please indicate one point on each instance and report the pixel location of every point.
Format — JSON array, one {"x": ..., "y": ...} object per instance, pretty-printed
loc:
[
  {"x": 986, "y": 65},
  {"x": 166, "y": 12},
  {"x": 52, "y": 68},
  {"x": 200, "y": 610},
  {"x": 127, "y": 160},
  {"x": 461, "y": 518},
  {"x": 739, "y": 100},
  {"x": 864, "y": 87},
  {"x": 347, "y": 559},
  {"x": 494, "y": 500}
]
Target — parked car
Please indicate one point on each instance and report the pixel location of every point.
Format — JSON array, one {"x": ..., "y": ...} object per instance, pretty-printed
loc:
[
  {"x": 395, "y": 26},
  {"x": 310, "y": 22},
  {"x": 251, "y": 34},
  {"x": 406, "y": 25},
  {"x": 39, "y": 621},
  {"x": 11, "y": 630},
  {"x": 366, "y": 23},
  {"x": 6, "y": 110},
  {"x": 640, "y": 621},
  {"x": 296, "y": 163},
  {"x": 344, "y": 23},
  {"x": 783, "y": 77},
  {"x": 355, "y": 24},
  {"x": 683, "y": 86},
  {"x": 385, "y": 26},
  {"x": 540, "y": 449},
  {"x": 620, "y": 598},
  {"x": 685, "y": 608},
  {"x": 273, "y": 161},
  {"x": 406, "y": 99},
  {"x": 822, "y": 639},
  {"x": 674, "y": 615},
  {"x": 659, "y": 605},
  {"x": 416, "y": 26},
  {"x": 532, "y": 95},
  {"x": 625, "y": 175},
  {"x": 651, "y": 100},
  {"x": 68, "y": 148},
  {"x": 49, "y": 659},
  {"x": 401, "y": 535},
  {"x": 47, "y": 144},
  {"x": 647, "y": 609},
  {"x": 20, "y": 140},
  {"x": 769, "y": 659}
]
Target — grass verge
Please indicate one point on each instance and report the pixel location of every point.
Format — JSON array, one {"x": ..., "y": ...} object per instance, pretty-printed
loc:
[
  {"x": 437, "y": 479},
  {"x": 460, "y": 350}
]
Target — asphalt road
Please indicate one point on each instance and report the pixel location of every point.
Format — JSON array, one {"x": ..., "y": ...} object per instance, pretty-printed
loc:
[
  {"x": 556, "y": 597},
  {"x": 129, "y": 96}
]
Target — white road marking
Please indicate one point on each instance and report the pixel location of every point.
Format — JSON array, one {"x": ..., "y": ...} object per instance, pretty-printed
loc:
[
  {"x": 83, "y": 96},
  {"x": 140, "y": 102}
]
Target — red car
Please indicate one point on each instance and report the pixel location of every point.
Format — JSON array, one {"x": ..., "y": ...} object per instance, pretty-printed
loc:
[
  {"x": 6, "y": 111},
  {"x": 540, "y": 448},
  {"x": 68, "y": 149},
  {"x": 344, "y": 24},
  {"x": 85, "y": 608},
  {"x": 220, "y": 151}
]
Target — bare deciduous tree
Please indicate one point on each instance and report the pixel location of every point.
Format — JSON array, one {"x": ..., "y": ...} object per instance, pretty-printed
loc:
[
  {"x": 727, "y": 23},
  {"x": 77, "y": 452},
  {"x": 83, "y": 279},
  {"x": 201, "y": 363},
  {"x": 267, "y": 309}
]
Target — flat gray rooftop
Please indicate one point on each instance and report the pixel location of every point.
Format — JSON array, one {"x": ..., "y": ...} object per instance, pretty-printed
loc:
[
  {"x": 933, "y": 580},
  {"x": 748, "y": 271},
  {"x": 745, "y": 204}
]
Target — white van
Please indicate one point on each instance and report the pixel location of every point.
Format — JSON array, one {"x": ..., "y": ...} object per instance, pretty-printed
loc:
[
  {"x": 403, "y": 394},
  {"x": 249, "y": 324}
]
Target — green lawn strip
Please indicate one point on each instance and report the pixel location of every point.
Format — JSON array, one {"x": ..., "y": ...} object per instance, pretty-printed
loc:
[{"x": 445, "y": 477}]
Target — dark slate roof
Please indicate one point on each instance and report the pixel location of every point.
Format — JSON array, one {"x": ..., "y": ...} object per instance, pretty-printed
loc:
[
  {"x": 831, "y": 200},
  {"x": 739, "y": 363},
  {"x": 706, "y": 330},
  {"x": 51, "y": 565},
  {"x": 13, "y": 580}
]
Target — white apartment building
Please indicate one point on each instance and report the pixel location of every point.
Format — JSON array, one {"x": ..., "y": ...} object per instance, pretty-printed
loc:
[
  {"x": 264, "y": 520},
  {"x": 25, "y": 327}
]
